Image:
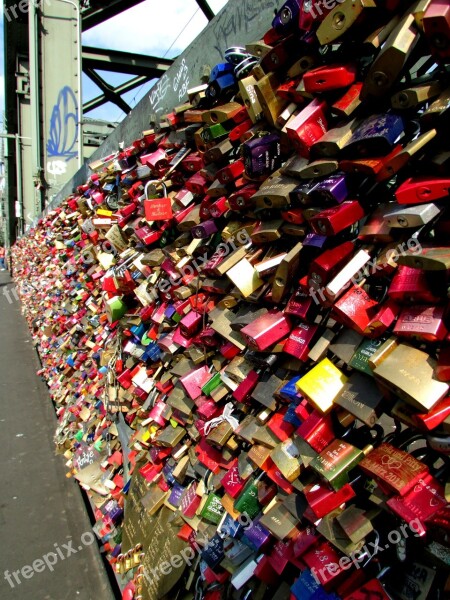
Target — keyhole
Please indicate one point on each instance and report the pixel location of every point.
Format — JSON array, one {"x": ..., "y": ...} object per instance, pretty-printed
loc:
[
  {"x": 285, "y": 15},
  {"x": 339, "y": 20}
]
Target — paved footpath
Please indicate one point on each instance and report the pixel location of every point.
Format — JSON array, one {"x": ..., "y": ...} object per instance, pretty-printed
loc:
[{"x": 45, "y": 533}]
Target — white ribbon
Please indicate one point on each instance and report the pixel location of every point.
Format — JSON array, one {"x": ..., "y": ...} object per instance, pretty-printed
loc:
[{"x": 225, "y": 416}]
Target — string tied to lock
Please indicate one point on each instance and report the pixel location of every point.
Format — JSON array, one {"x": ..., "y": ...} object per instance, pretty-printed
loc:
[{"x": 225, "y": 416}]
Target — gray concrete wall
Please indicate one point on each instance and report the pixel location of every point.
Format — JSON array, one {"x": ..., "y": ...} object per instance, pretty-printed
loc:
[{"x": 238, "y": 23}]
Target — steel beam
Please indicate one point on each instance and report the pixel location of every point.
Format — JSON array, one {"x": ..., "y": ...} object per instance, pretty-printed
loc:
[
  {"x": 207, "y": 11},
  {"x": 98, "y": 14},
  {"x": 124, "y": 62},
  {"x": 121, "y": 89},
  {"x": 108, "y": 91}
]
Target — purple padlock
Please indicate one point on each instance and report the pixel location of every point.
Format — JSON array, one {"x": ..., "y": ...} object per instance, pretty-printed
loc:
[
  {"x": 256, "y": 535},
  {"x": 262, "y": 155},
  {"x": 332, "y": 189},
  {"x": 176, "y": 494},
  {"x": 204, "y": 230},
  {"x": 315, "y": 240}
]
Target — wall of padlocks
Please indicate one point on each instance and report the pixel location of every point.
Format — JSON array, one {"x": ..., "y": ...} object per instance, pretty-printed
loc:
[{"x": 242, "y": 320}]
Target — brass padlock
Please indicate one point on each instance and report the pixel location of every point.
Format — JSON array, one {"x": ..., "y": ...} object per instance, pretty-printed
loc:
[
  {"x": 271, "y": 104},
  {"x": 248, "y": 95},
  {"x": 390, "y": 61},
  {"x": 341, "y": 18}
]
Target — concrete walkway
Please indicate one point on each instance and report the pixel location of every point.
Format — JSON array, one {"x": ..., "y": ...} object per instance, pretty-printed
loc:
[{"x": 43, "y": 552}]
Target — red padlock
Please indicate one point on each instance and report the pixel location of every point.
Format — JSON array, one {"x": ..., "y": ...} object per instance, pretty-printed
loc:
[
  {"x": 231, "y": 172},
  {"x": 333, "y": 220},
  {"x": 323, "y": 79},
  {"x": 197, "y": 184},
  {"x": 418, "y": 190},
  {"x": 436, "y": 26},
  {"x": 157, "y": 209},
  {"x": 307, "y": 127}
]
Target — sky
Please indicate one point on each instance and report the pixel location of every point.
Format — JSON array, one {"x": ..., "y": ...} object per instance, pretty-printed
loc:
[{"x": 144, "y": 29}]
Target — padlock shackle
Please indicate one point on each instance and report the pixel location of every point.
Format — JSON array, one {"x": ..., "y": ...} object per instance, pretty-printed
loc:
[{"x": 159, "y": 182}]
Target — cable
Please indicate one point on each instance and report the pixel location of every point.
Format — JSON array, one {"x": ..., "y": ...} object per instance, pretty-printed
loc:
[
  {"x": 172, "y": 44},
  {"x": 164, "y": 56}
]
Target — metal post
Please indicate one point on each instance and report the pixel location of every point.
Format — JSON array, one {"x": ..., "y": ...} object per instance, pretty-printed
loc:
[
  {"x": 19, "y": 183},
  {"x": 19, "y": 175},
  {"x": 79, "y": 76},
  {"x": 35, "y": 96}
]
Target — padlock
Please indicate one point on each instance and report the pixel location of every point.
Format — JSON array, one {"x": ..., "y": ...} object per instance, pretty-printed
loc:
[
  {"x": 397, "y": 160},
  {"x": 288, "y": 91},
  {"x": 423, "y": 189},
  {"x": 275, "y": 194},
  {"x": 394, "y": 468},
  {"x": 224, "y": 112},
  {"x": 157, "y": 209},
  {"x": 336, "y": 460},
  {"x": 157, "y": 161},
  {"x": 281, "y": 53},
  {"x": 412, "y": 216},
  {"x": 286, "y": 19},
  {"x": 360, "y": 398},
  {"x": 341, "y": 18},
  {"x": 197, "y": 184},
  {"x": 333, "y": 220},
  {"x": 436, "y": 26},
  {"x": 266, "y": 330},
  {"x": 332, "y": 189},
  {"x": 299, "y": 340},
  {"x": 349, "y": 102},
  {"x": 323, "y": 268},
  {"x": 332, "y": 142},
  {"x": 375, "y": 136},
  {"x": 415, "y": 382},
  {"x": 323, "y": 79},
  {"x": 413, "y": 96},
  {"x": 422, "y": 322},
  {"x": 389, "y": 62},
  {"x": 429, "y": 258},
  {"x": 321, "y": 385},
  {"x": 418, "y": 505},
  {"x": 322, "y": 500},
  {"x": 262, "y": 155},
  {"x": 307, "y": 127}
]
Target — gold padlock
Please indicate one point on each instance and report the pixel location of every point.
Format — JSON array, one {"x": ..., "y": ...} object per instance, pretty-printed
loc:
[
  {"x": 387, "y": 66},
  {"x": 271, "y": 104},
  {"x": 250, "y": 99},
  {"x": 341, "y": 18}
]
